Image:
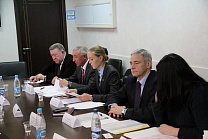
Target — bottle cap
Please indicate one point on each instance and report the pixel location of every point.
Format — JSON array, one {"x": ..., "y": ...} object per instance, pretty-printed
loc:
[
  {"x": 39, "y": 110},
  {"x": 95, "y": 110},
  {"x": 16, "y": 76}
]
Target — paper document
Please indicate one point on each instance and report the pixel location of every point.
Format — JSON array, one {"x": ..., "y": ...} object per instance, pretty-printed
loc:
[
  {"x": 40, "y": 81},
  {"x": 57, "y": 86},
  {"x": 70, "y": 100},
  {"x": 85, "y": 119},
  {"x": 50, "y": 91},
  {"x": 205, "y": 134},
  {"x": 124, "y": 126},
  {"x": 86, "y": 105},
  {"x": 150, "y": 133}
]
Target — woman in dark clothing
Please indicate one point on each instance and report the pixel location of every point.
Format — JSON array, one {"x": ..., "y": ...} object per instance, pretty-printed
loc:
[
  {"x": 106, "y": 76},
  {"x": 181, "y": 101}
]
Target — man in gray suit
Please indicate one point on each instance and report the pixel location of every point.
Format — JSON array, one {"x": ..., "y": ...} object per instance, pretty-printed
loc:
[{"x": 82, "y": 81}]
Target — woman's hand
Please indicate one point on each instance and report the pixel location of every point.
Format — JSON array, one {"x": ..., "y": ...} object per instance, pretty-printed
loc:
[
  {"x": 155, "y": 97},
  {"x": 168, "y": 130}
]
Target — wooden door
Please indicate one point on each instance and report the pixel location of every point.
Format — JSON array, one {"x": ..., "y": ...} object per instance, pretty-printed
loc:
[{"x": 40, "y": 23}]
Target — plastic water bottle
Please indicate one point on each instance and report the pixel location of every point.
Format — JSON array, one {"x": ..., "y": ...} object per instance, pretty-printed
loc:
[
  {"x": 96, "y": 125},
  {"x": 16, "y": 86},
  {"x": 2, "y": 90},
  {"x": 40, "y": 125}
]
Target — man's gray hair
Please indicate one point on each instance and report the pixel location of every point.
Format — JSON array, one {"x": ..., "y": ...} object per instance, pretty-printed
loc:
[
  {"x": 83, "y": 50},
  {"x": 59, "y": 46},
  {"x": 145, "y": 54}
]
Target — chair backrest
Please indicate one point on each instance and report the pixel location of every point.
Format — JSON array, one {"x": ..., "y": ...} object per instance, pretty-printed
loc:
[
  {"x": 9, "y": 69},
  {"x": 117, "y": 64},
  {"x": 126, "y": 74}
]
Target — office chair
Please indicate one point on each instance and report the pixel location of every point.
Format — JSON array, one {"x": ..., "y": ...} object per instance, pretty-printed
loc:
[
  {"x": 117, "y": 64},
  {"x": 126, "y": 74},
  {"x": 9, "y": 69}
]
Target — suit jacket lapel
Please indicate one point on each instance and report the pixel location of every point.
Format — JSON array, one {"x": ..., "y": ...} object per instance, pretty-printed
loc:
[{"x": 104, "y": 76}]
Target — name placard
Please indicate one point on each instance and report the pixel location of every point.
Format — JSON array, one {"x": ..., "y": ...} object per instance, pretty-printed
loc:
[{"x": 71, "y": 121}]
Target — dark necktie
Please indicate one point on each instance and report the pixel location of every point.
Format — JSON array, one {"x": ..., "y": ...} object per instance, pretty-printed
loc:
[
  {"x": 137, "y": 95},
  {"x": 58, "y": 71},
  {"x": 82, "y": 75}
]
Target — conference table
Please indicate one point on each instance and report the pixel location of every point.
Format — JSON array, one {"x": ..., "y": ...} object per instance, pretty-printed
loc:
[{"x": 12, "y": 127}]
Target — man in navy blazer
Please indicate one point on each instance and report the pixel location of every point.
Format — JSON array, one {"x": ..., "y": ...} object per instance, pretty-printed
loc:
[
  {"x": 75, "y": 82},
  {"x": 133, "y": 100},
  {"x": 62, "y": 65}
]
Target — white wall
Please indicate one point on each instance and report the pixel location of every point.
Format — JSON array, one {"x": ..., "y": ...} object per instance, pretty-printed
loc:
[
  {"x": 8, "y": 35},
  {"x": 160, "y": 26}
]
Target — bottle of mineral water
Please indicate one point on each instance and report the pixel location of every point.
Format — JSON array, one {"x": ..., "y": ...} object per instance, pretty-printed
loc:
[
  {"x": 96, "y": 125},
  {"x": 2, "y": 90},
  {"x": 16, "y": 86},
  {"x": 40, "y": 125}
]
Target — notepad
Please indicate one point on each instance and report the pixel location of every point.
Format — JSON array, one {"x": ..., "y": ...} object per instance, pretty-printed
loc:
[{"x": 124, "y": 126}]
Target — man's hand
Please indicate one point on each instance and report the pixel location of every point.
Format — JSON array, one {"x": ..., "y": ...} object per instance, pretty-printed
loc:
[
  {"x": 40, "y": 77},
  {"x": 63, "y": 82},
  {"x": 71, "y": 90},
  {"x": 33, "y": 78},
  {"x": 54, "y": 79},
  {"x": 116, "y": 111},
  {"x": 84, "y": 97},
  {"x": 168, "y": 130}
]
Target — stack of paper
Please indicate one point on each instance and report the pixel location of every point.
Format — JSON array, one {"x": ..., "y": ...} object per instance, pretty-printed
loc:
[
  {"x": 150, "y": 133},
  {"x": 85, "y": 119},
  {"x": 124, "y": 126},
  {"x": 86, "y": 105}
]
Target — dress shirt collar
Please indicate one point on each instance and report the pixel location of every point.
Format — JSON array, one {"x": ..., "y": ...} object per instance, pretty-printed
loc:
[
  {"x": 85, "y": 65},
  {"x": 101, "y": 73},
  {"x": 62, "y": 62},
  {"x": 143, "y": 81}
]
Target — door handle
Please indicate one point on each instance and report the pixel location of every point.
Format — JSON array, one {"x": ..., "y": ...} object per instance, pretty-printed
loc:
[{"x": 25, "y": 49}]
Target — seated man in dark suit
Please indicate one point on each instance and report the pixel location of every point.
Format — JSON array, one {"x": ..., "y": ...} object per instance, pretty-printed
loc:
[
  {"x": 82, "y": 81},
  {"x": 62, "y": 65},
  {"x": 133, "y": 100}
]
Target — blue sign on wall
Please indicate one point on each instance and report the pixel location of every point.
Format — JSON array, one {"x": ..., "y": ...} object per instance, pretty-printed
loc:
[{"x": 70, "y": 15}]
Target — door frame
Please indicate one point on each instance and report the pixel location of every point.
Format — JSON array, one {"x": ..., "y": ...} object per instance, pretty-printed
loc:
[{"x": 64, "y": 27}]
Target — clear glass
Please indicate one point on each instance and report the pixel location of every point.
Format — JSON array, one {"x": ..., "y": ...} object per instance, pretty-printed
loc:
[
  {"x": 1, "y": 115},
  {"x": 6, "y": 87},
  {"x": 27, "y": 127},
  {"x": 40, "y": 96}
]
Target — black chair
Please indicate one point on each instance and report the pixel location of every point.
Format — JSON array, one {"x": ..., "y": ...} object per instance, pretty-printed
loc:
[
  {"x": 117, "y": 64},
  {"x": 126, "y": 74},
  {"x": 9, "y": 69}
]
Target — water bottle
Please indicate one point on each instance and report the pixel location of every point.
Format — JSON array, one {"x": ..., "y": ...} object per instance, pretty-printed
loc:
[
  {"x": 2, "y": 90},
  {"x": 40, "y": 125},
  {"x": 96, "y": 125},
  {"x": 16, "y": 86}
]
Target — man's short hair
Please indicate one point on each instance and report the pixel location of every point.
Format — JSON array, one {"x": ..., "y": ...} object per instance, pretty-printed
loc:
[
  {"x": 145, "y": 54},
  {"x": 83, "y": 50},
  {"x": 59, "y": 46}
]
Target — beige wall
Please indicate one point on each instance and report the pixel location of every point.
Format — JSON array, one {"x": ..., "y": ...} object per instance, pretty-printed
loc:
[
  {"x": 160, "y": 26},
  {"x": 8, "y": 35}
]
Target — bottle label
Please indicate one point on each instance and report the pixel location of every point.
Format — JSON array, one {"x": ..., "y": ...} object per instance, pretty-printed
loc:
[
  {"x": 2, "y": 91},
  {"x": 17, "y": 90},
  {"x": 41, "y": 134},
  {"x": 96, "y": 134}
]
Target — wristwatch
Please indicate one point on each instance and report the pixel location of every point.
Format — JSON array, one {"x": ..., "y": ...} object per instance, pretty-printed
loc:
[
  {"x": 124, "y": 111},
  {"x": 91, "y": 98},
  {"x": 45, "y": 78},
  {"x": 69, "y": 84}
]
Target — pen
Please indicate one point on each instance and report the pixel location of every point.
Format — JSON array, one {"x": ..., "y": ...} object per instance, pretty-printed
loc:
[
  {"x": 103, "y": 117},
  {"x": 42, "y": 88}
]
